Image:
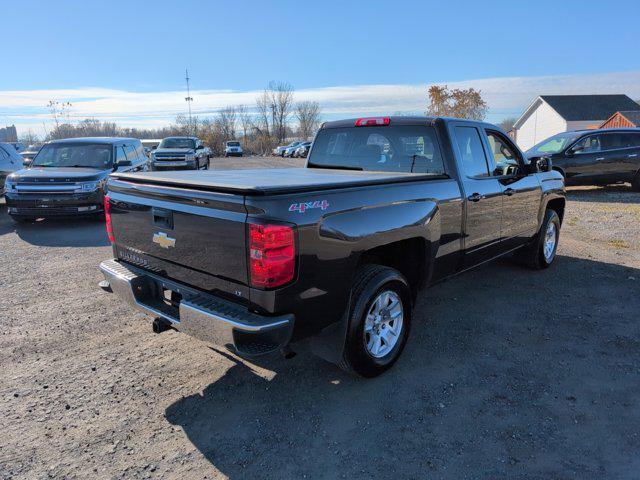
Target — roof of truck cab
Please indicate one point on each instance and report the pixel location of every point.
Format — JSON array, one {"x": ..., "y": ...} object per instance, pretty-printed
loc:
[{"x": 269, "y": 180}]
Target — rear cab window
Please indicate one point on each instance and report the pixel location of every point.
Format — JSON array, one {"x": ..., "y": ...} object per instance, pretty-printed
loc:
[{"x": 402, "y": 148}]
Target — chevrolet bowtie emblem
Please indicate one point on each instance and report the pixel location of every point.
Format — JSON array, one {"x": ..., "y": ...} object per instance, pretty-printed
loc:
[{"x": 164, "y": 241}]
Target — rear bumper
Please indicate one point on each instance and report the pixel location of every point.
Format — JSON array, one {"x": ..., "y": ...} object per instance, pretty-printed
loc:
[
  {"x": 55, "y": 205},
  {"x": 203, "y": 316},
  {"x": 233, "y": 154}
]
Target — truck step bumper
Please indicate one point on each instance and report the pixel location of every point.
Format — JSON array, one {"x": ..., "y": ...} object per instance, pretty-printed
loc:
[{"x": 206, "y": 317}]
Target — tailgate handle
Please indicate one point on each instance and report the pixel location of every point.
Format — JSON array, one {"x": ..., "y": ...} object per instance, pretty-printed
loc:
[{"x": 163, "y": 218}]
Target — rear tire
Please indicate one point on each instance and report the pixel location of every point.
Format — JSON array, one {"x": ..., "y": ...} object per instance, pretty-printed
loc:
[
  {"x": 635, "y": 184},
  {"x": 379, "y": 321},
  {"x": 541, "y": 252}
]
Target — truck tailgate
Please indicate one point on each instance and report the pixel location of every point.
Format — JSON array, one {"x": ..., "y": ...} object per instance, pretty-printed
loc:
[{"x": 184, "y": 234}]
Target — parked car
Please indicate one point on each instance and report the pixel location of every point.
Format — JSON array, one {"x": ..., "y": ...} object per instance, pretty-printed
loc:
[
  {"x": 68, "y": 177},
  {"x": 10, "y": 161},
  {"x": 279, "y": 151},
  {"x": 29, "y": 153},
  {"x": 594, "y": 157},
  {"x": 175, "y": 153},
  {"x": 303, "y": 150},
  {"x": 331, "y": 255},
  {"x": 232, "y": 149},
  {"x": 150, "y": 145},
  {"x": 18, "y": 146}
]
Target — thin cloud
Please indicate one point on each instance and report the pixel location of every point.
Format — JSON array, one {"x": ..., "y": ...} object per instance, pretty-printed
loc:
[{"x": 506, "y": 96}]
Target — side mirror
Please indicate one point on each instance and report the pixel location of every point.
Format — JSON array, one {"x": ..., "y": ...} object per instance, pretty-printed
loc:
[
  {"x": 199, "y": 147},
  {"x": 573, "y": 150},
  {"x": 123, "y": 163},
  {"x": 153, "y": 147},
  {"x": 544, "y": 164},
  {"x": 26, "y": 162}
]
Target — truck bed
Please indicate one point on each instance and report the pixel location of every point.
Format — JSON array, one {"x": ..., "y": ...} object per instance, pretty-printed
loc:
[{"x": 269, "y": 181}]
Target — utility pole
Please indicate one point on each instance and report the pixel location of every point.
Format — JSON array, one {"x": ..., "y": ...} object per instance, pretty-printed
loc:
[{"x": 189, "y": 99}]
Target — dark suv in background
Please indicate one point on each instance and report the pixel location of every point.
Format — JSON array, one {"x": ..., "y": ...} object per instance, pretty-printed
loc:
[
  {"x": 594, "y": 157},
  {"x": 68, "y": 177}
]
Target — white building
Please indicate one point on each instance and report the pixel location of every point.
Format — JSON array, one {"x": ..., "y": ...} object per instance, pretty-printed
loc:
[{"x": 551, "y": 114}]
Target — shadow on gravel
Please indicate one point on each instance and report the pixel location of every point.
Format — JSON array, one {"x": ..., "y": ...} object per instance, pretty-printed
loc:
[
  {"x": 508, "y": 373},
  {"x": 608, "y": 194},
  {"x": 79, "y": 232}
]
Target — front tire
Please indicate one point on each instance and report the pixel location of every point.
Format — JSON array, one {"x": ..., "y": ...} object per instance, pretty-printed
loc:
[
  {"x": 379, "y": 321},
  {"x": 541, "y": 252}
]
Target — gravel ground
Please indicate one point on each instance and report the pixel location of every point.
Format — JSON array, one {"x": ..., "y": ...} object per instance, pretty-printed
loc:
[{"x": 509, "y": 373}]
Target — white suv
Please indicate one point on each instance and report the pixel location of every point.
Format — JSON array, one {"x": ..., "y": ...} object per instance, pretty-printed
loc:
[{"x": 232, "y": 149}]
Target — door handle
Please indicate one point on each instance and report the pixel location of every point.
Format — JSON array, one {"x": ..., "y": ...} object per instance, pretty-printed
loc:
[
  {"x": 599, "y": 158},
  {"x": 509, "y": 191},
  {"x": 633, "y": 155},
  {"x": 476, "y": 197}
]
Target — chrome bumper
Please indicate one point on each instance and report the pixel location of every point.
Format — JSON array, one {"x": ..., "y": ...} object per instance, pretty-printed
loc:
[{"x": 203, "y": 316}]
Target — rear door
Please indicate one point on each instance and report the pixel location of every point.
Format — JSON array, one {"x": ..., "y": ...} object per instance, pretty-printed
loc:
[
  {"x": 630, "y": 158},
  {"x": 521, "y": 191},
  {"x": 483, "y": 194}
]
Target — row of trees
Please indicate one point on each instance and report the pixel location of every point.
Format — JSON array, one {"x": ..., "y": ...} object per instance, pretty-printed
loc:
[{"x": 273, "y": 119}]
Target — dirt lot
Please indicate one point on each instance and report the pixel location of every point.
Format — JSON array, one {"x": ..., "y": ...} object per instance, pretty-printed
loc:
[{"x": 509, "y": 373}]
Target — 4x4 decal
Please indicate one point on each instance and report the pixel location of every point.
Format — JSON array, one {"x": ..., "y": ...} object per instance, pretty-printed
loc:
[{"x": 304, "y": 206}]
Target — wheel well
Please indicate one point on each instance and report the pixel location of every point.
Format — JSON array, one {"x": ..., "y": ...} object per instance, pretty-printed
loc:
[
  {"x": 558, "y": 169},
  {"x": 406, "y": 256},
  {"x": 557, "y": 204}
]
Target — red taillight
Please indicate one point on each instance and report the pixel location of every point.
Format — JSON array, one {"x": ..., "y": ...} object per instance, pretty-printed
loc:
[
  {"x": 272, "y": 255},
  {"x": 107, "y": 218},
  {"x": 373, "y": 121}
]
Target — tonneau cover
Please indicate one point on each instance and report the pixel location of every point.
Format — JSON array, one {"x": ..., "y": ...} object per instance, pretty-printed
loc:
[{"x": 268, "y": 180}]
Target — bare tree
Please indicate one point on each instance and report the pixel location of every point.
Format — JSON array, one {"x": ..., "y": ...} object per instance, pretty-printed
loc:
[
  {"x": 226, "y": 123},
  {"x": 458, "y": 103},
  {"x": 59, "y": 111},
  {"x": 29, "y": 138},
  {"x": 245, "y": 120},
  {"x": 281, "y": 94},
  {"x": 265, "y": 113},
  {"x": 507, "y": 123},
  {"x": 308, "y": 115}
]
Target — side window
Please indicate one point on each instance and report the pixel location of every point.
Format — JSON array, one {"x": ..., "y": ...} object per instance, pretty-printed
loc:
[
  {"x": 474, "y": 161},
  {"x": 588, "y": 144},
  {"x": 611, "y": 141},
  {"x": 120, "y": 156},
  {"x": 140, "y": 152},
  {"x": 131, "y": 153},
  {"x": 630, "y": 140},
  {"x": 504, "y": 156}
]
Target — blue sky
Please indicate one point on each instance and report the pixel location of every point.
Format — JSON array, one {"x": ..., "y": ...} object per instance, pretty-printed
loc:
[{"x": 69, "y": 50}]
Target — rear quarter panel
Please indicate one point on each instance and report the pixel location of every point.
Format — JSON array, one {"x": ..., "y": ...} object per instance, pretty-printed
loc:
[{"x": 354, "y": 220}]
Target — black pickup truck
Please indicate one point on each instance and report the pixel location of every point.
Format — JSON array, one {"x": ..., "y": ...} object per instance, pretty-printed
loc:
[{"x": 330, "y": 256}]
